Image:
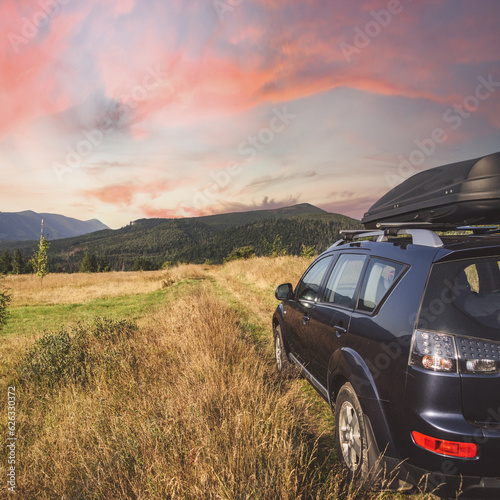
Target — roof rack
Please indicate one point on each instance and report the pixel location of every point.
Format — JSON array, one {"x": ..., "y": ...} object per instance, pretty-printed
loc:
[
  {"x": 423, "y": 237},
  {"x": 416, "y": 225},
  {"x": 479, "y": 229},
  {"x": 422, "y": 233},
  {"x": 436, "y": 227}
]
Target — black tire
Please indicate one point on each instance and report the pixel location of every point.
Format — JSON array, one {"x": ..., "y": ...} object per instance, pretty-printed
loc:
[
  {"x": 350, "y": 436},
  {"x": 282, "y": 362}
]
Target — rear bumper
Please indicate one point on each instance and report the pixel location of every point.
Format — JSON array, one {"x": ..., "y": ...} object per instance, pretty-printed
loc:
[
  {"x": 433, "y": 407},
  {"x": 445, "y": 476},
  {"x": 447, "y": 486}
]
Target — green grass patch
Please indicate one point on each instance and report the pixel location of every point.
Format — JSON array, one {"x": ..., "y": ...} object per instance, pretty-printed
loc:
[{"x": 29, "y": 320}]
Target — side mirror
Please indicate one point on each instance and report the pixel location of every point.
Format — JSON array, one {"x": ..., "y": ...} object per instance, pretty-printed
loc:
[{"x": 284, "y": 292}]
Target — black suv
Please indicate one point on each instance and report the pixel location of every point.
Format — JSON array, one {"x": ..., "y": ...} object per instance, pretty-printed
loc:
[{"x": 398, "y": 329}]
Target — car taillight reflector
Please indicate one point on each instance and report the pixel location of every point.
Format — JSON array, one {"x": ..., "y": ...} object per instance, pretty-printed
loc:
[
  {"x": 443, "y": 447},
  {"x": 433, "y": 351}
]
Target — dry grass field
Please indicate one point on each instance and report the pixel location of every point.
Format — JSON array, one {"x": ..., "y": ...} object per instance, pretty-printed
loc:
[
  {"x": 183, "y": 403},
  {"x": 81, "y": 287}
]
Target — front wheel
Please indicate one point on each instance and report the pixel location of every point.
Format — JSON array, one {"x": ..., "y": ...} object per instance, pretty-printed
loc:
[
  {"x": 350, "y": 435},
  {"x": 282, "y": 363}
]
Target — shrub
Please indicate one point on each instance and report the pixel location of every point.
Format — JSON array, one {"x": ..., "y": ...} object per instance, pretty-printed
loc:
[
  {"x": 4, "y": 302},
  {"x": 240, "y": 253},
  {"x": 274, "y": 249},
  {"x": 307, "y": 251},
  {"x": 76, "y": 356}
]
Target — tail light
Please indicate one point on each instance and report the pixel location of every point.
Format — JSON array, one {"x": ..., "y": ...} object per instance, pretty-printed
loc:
[
  {"x": 441, "y": 352},
  {"x": 433, "y": 351},
  {"x": 444, "y": 447}
]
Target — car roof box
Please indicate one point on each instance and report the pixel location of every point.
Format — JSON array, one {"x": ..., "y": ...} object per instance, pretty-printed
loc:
[{"x": 462, "y": 193}]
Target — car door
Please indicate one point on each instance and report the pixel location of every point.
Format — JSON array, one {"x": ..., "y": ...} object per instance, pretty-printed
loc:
[
  {"x": 327, "y": 322},
  {"x": 297, "y": 309}
]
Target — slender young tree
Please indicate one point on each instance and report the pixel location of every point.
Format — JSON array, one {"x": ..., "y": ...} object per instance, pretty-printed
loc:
[{"x": 39, "y": 261}]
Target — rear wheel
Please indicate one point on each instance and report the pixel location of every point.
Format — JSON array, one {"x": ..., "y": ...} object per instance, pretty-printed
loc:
[{"x": 350, "y": 435}]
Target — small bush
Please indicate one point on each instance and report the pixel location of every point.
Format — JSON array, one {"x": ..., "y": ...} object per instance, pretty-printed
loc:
[
  {"x": 64, "y": 357},
  {"x": 4, "y": 302},
  {"x": 240, "y": 253},
  {"x": 307, "y": 251},
  {"x": 274, "y": 249}
]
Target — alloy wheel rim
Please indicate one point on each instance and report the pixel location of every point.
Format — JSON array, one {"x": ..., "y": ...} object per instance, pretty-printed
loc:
[{"x": 350, "y": 436}]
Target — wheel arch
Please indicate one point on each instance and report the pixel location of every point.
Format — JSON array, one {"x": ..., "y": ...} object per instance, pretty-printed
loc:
[
  {"x": 348, "y": 366},
  {"x": 279, "y": 319}
]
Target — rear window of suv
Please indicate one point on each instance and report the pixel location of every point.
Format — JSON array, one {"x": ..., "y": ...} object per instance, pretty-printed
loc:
[{"x": 463, "y": 298}]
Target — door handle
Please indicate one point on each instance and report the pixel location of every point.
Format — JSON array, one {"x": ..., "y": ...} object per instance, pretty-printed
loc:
[
  {"x": 305, "y": 319},
  {"x": 339, "y": 330}
]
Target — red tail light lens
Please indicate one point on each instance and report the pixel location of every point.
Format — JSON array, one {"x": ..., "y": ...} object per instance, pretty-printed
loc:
[{"x": 443, "y": 447}]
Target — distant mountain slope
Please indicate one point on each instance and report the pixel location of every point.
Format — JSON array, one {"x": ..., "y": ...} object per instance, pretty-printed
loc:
[
  {"x": 317, "y": 230},
  {"x": 196, "y": 239},
  {"x": 25, "y": 226}
]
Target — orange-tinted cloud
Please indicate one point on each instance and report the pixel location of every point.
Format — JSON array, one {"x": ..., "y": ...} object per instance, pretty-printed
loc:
[
  {"x": 160, "y": 213},
  {"x": 123, "y": 194},
  {"x": 31, "y": 62},
  {"x": 286, "y": 55},
  {"x": 266, "y": 203}
]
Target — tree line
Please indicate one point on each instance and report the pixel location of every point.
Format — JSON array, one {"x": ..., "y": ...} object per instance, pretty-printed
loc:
[
  {"x": 148, "y": 245},
  {"x": 13, "y": 264}
]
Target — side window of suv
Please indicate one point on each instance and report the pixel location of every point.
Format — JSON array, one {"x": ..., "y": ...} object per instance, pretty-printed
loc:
[
  {"x": 379, "y": 279},
  {"x": 344, "y": 279},
  {"x": 308, "y": 287}
]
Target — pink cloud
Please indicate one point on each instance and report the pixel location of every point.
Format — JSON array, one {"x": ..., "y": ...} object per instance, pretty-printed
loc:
[
  {"x": 354, "y": 207},
  {"x": 117, "y": 195},
  {"x": 123, "y": 194},
  {"x": 222, "y": 206},
  {"x": 303, "y": 57},
  {"x": 123, "y": 6},
  {"x": 29, "y": 86},
  {"x": 160, "y": 213}
]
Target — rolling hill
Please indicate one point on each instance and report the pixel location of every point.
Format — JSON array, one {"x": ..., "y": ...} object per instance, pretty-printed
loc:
[{"x": 196, "y": 239}]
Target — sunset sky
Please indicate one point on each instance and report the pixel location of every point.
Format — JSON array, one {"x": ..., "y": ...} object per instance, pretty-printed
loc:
[{"x": 124, "y": 109}]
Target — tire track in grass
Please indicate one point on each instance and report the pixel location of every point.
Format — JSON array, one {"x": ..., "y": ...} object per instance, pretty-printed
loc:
[{"x": 255, "y": 311}]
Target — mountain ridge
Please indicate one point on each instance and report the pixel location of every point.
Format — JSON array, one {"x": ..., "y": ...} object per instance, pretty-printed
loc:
[
  {"x": 196, "y": 239},
  {"x": 25, "y": 226}
]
